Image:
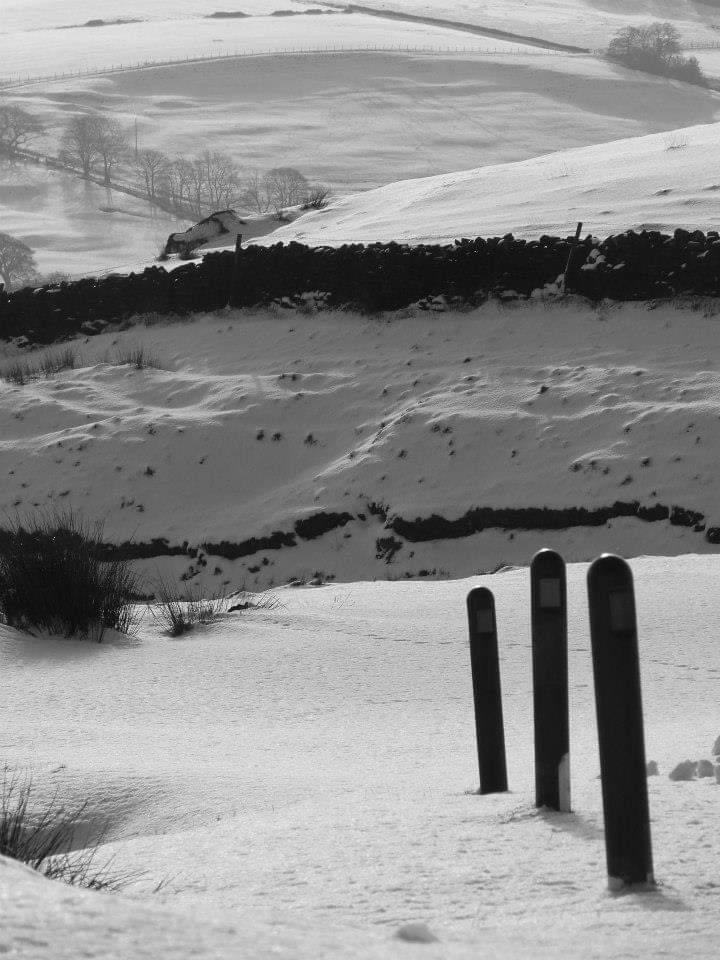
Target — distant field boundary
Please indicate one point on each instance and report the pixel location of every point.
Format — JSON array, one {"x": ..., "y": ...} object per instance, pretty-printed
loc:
[
  {"x": 378, "y": 277},
  {"x": 21, "y": 80},
  {"x": 460, "y": 25}
]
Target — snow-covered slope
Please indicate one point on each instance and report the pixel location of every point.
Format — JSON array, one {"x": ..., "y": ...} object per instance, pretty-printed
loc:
[
  {"x": 254, "y": 422},
  {"x": 658, "y": 182},
  {"x": 303, "y": 778},
  {"x": 589, "y": 23}
]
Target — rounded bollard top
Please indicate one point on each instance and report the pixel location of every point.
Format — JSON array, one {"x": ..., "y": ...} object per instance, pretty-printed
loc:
[
  {"x": 481, "y": 612},
  {"x": 610, "y": 567},
  {"x": 547, "y": 559},
  {"x": 480, "y": 597}
]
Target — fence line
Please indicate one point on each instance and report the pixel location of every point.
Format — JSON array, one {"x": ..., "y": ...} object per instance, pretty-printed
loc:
[{"x": 20, "y": 80}]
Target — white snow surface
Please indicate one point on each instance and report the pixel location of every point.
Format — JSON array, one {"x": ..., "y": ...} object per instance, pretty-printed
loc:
[
  {"x": 655, "y": 182},
  {"x": 590, "y": 23},
  {"x": 113, "y": 45},
  {"x": 382, "y": 118},
  {"x": 255, "y": 420},
  {"x": 304, "y": 780}
]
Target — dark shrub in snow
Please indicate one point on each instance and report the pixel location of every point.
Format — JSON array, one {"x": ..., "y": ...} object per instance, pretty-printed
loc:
[{"x": 53, "y": 577}]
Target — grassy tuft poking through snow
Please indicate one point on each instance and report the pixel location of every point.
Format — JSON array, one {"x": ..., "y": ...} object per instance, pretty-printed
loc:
[
  {"x": 47, "y": 365},
  {"x": 43, "y": 837},
  {"x": 53, "y": 577},
  {"x": 138, "y": 357},
  {"x": 179, "y": 612}
]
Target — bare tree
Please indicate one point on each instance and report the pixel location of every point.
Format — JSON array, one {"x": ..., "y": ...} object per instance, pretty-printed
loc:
[
  {"x": 179, "y": 179},
  {"x": 197, "y": 185},
  {"x": 18, "y": 128},
  {"x": 285, "y": 187},
  {"x": 79, "y": 143},
  {"x": 221, "y": 178},
  {"x": 662, "y": 38},
  {"x": 252, "y": 193},
  {"x": 17, "y": 262},
  {"x": 151, "y": 166},
  {"x": 112, "y": 144}
]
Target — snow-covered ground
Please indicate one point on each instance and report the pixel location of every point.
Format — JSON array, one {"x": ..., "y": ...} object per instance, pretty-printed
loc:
[
  {"x": 85, "y": 48},
  {"x": 656, "y": 182},
  {"x": 381, "y": 117},
  {"x": 392, "y": 117},
  {"x": 303, "y": 777},
  {"x": 590, "y": 23},
  {"x": 256, "y": 421},
  {"x": 20, "y": 16},
  {"x": 76, "y": 227}
]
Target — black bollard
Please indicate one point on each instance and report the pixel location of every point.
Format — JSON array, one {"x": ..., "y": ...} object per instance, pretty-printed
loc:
[
  {"x": 618, "y": 701},
  {"x": 487, "y": 695},
  {"x": 550, "y": 680}
]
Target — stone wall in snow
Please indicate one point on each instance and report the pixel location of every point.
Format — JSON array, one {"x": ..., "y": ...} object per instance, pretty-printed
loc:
[{"x": 383, "y": 276}]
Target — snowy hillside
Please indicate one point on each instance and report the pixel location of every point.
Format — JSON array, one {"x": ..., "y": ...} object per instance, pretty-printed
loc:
[
  {"x": 588, "y": 23},
  {"x": 655, "y": 182},
  {"x": 305, "y": 442},
  {"x": 303, "y": 778}
]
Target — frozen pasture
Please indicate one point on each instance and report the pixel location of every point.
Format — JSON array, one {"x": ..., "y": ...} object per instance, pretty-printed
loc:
[
  {"x": 381, "y": 117},
  {"x": 243, "y": 423},
  {"x": 303, "y": 778},
  {"x": 654, "y": 182},
  {"x": 587, "y": 23}
]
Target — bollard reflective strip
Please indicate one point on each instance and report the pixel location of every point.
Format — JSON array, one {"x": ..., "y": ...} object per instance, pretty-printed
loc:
[
  {"x": 618, "y": 702},
  {"x": 487, "y": 695},
  {"x": 548, "y": 593}
]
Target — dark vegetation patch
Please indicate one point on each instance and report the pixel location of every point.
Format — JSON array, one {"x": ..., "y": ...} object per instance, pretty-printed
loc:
[
  {"x": 246, "y": 548},
  {"x": 54, "y": 576},
  {"x": 478, "y": 519},
  {"x": 319, "y": 523},
  {"x": 119, "y": 21},
  {"x": 422, "y": 529},
  {"x": 648, "y": 265}
]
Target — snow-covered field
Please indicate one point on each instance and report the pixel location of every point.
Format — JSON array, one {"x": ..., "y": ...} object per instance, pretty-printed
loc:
[
  {"x": 656, "y": 182},
  {"x": 303, "y": 778},
  {"x": 590, "y": 23},
  {"x": 256, "y": 421},
  {"x": 97, "y": 48},
  {"x": 381, "y": 117},
  {"x": 76, "y": 227}
]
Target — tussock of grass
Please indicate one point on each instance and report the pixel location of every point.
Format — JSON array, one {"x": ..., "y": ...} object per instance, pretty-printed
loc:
[
  {"x": 138, "y": 357},
  {"x": 43, "y": 838},
  {"x": 53, "y": 577},
  {"x": 179, "y": 610},
  {"x": 45, "y": 365},
  {"x": 254, "y": 601}
]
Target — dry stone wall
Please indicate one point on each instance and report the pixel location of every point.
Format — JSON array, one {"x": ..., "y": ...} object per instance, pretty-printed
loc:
[{"x": 381, "y": 276}]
